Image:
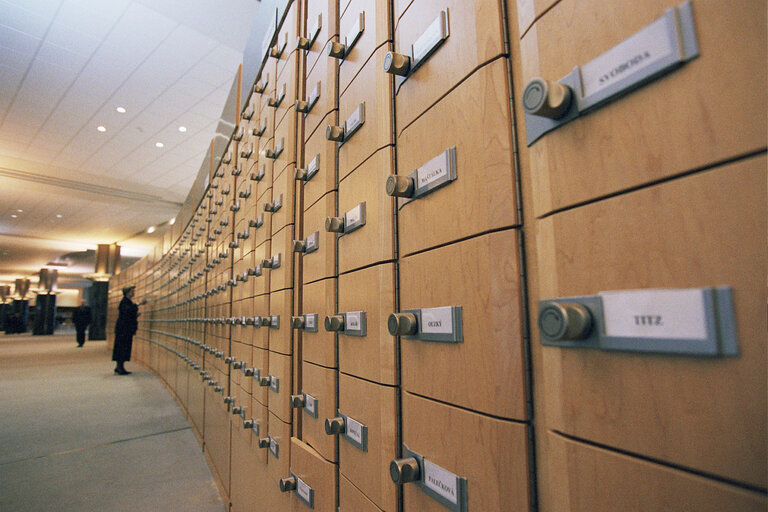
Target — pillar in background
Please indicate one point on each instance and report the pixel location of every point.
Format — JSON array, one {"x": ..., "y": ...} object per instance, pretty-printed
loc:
[
  {"x": 5, "y": 294},
  {"x": 18, "y": 316},
  {"x": 107, "y": 264},
  {"x": 45, "y": 305}
]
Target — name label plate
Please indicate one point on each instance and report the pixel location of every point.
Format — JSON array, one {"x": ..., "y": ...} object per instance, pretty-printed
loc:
[
  {"x": 443, "y": 486},
  {"x": 313, "y": 167},
  {"x": 274, "y": 384},
  {"x": 304, "y": 492},
  {"x": 310, "y": 322},
  {"x": 354, "y": 218},
  {"x": 441, "y": 324},
  {"x": 354, "y": 33},
  {"x": 433, "y": 175},
  {"x": 310, "y": 405},
  {"x": 312, "y": 242},
  {"x": 354, "y": 323},
  {"x": 354, "y": 122},
  {"x": 313, "y": 97},
  {"x": 355, "y": 432},
  {"x": 430, "y": 40},
  {"x": 274, "y": 448}
]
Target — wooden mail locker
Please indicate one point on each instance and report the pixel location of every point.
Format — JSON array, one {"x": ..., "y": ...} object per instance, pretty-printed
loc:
[
  {"x": 286, "y": 37},
  {"x": 278, "y": 453},
  {"x": 280, "y": 387},
  {"x": 351, "y": 499},
  {"x": 260, "y": 253},
  {"x": 319, "y": 260},
  {"x": 283, "y": 147},
  {"x": 260, "y": 387},
  {"x": 288, "y": 89},
  {"x": 365, "y": 451},
  {"x": 319, "y": 347},
  {"x": 281, "y": 277},
  {"x": 280, "y": 336},
  {"x": 485, "y": 370},
  {"x": 684, "y": 121},
  {"x": 319, "y": 164},
  {"x": 374, "y": 242},
  {"x": 320, "y": 384},
  {"x": 320, "y": 93},
  {"x": 322, "y": 23},
  {"x": 217, "y": 436},
  {"x": 491, "y": 454},
  {"x": 259, "y": 335},
  {"x": 371, "y": 356},
  {"x": 576, "y": 470},
  {"x": 482, "y": 197},
  {"x": 283, "y": 200},
  {"x": 375, "y": 16},
  {"x": 474, "y": 38},
  {"x": 703, "y": 413},
  {"x": 316, "y": 473},
  {"x": 371, "y": 93}
]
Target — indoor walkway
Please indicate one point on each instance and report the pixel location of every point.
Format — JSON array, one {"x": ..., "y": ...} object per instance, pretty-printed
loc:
[{"x": 74, "y": 436}]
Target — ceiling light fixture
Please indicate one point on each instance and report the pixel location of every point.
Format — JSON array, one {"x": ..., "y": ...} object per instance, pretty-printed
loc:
[
  {"x": 172, "y": 221},
  {"x": 159, "y": 144},
  {"x": 19, "y": 211},
  {"x": 151, "y": 229},
  {"x": 182, "y": 129},
  {"x": 120, "y": 109},
  {"x": 58, "y": 215},
  {"x": 101, "y": 128},
  {"x": 14, "y": 216}
]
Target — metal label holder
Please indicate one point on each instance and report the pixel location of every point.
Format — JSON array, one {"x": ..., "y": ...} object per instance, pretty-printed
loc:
[
  {"x": 681, "y": 33},
  {"x": 358, "y": 219},
  {"x": 721, "y": 338},
  {"x": 427, "y": 44},
  {"x": 304, "y": 492},
  {"x": 455, "y": 336},
  {"x": 461, "y": 504},
  {"x": 312, "y": 242},
  {"x": 450, "y": 175},
  {"x": 361, "y": 445},
  {"x": 361, "y": 332},
  {"x": 310, "y": 409}
]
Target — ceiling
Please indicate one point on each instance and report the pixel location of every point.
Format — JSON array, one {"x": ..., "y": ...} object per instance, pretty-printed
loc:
[{"x": 65, "y": 67}]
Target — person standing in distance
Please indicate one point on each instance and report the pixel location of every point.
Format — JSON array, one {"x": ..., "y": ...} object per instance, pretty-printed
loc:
[
  {"x": 81, "y": 318},
  {"x": 125, "y": 327}
]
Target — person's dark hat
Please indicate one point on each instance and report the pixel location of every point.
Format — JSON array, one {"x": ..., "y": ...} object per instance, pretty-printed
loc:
[{"x": 127, "y": 289}]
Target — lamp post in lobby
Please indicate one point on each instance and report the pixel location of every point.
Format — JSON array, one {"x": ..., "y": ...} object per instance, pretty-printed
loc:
[{"x": 45, "y": 302}]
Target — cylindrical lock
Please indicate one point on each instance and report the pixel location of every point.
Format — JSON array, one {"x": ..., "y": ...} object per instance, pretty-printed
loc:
[
  {"x": 288, "y": 484},
  {"x": 298, "y": 401},
  {"x": 265, "y": 321},
  {"x": 404, "y": 470},
  {"x": 237, "y": 365},
  {"x": 248, "y": 372},
  {"x": 263, "y": 442},
  {"x": 546, "y": 98},
  {"x": 335, "y": 133},
  {"x": 220, "y": 354},
  {"x": 564, "y": 321},
  {"x": 299, "y": 246},
  {"x": 229, "y": 359},
  {"x": 334, "y": 323},
  {"x": 265, "y": 381},
  {"x": 336, "y": 50},
  {"x": 399, "y": 186},
  {"x": 212, "y": 382},
  {"x": 397, "y": 63},
  {"x": 334, "y": 224},
  {"x": 298, "y": 322},
  {"x": 248, "y": 424},
  {"x": 301, "y": 174},
  {"x": 301, "y": 106},
  {"x": 400, "y": 324},
  {"x": 236, "y": 410},
  {"x": 266, "y": 263},
  {"x": 302, "y": 43},
  {"x": 218, "y": 389},
  {"x": 335, "y": 426},
  {"x": 229, "y": 400},
  {"x": 275, "y": 52}
]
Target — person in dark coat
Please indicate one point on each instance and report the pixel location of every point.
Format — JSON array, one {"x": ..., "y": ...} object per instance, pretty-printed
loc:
[
  {"x": 125, "y": 327},
  {"x": 82, "y": 319}
]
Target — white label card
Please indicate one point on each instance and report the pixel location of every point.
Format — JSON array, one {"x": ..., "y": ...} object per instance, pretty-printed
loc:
[
  {"x": 437, "y": 320},
  {"x": 352, "y": 216},
  {"x": 659, "y": 314},
  {"x": 639, "y": 51},
  {"x": 303, "y": 490},
  {"x": 310, "y": 404},
  {"x": 354, "y": 430},
  {"x": 433, "y": 35},
  {"x": 309, "y": 321},
  {"x": 441, "y": 481},
  {"x": 432, "y": 171},
  {"x": 274, "y": 447},
  {"x": 314, "y": 165},
  {"x": 353, "y": 321}
]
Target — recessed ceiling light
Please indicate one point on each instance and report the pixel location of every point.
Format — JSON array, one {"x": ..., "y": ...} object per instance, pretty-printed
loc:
[
  {"x": 120, "y": 109},
  {"x": 172, "y": 221},
  {"x": 159, "y": 144},
  {"x": 182, "y": 128},
  {"x": 58, "y": 215},
  {"x": 101, "y": 128},
  {"x": 20, "y": 211},
  {"x": 151, "y": 229},
  {"x": 14, "y": 216}
]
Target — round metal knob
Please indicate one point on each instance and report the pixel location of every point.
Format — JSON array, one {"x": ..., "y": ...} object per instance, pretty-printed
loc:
[
  {"x": 263, "y": 442},
  {"x": 333, "y": 132},
  {"x": 335, "y": 426},
  {"x": 301, "y": 174},
  {"x": 229, "y": 399},
  {"x": 237, "y": 410},
  {"x": 336, "y": 50},
  {"x": 299, "y": 246},
  {"x": 218, "y": 389},
  {"x": 248, "y": 424},
  {"x": 402, "y": 324},
  {"x": 229, "y": 359},
  {"x": 248, "y": 372},
  {"x": 298, "y": 322},
  {"x": 334, "y": 323},
  {"x": 302, "y": 43},
  {"x": 212, "y": 382},
  {"x": 334, "y": 224},
  {"x": 265, "y": 381},
  {"x": 297, "y": 401},
  {"x": 301, "y": 106},
  {"x": 288, "y": 484},
  {"x": 266, "y": 263},
  {"x": 404, "y": 470},
  {"x": 399, "y": 186},
  {"x": 546, "y": 98},
  {"x": 397, "y": 63},
  {"x": 237, "y": 365},
  {"x": 564, "y": 321}
]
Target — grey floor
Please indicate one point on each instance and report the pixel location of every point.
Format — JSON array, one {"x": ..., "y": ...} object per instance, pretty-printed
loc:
[{"x": 74, "y": 436}]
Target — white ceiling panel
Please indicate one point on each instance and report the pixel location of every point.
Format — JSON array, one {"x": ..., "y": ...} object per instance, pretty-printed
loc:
[
  {"x": 18, "y": 41},
  {"x": 13, "y": 16},
  {"x": 45, "y": 8},
  {"x": 60, "y": 56},
  {"x": 73, "y": 40},
  {"x": 94, "y": 17}
]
